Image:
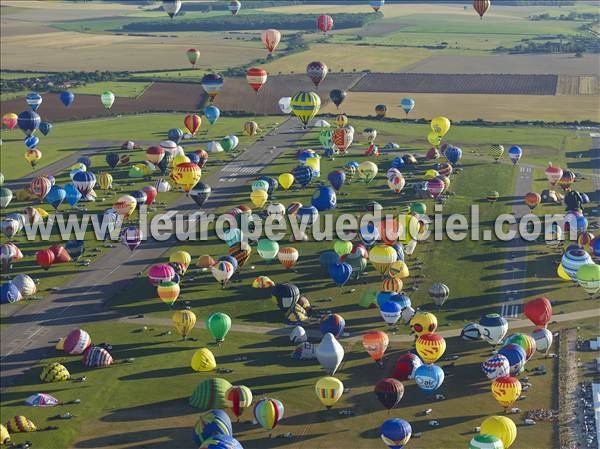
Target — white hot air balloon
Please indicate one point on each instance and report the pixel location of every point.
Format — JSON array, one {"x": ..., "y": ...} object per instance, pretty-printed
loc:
[
  {"x": 285, "y": 105},
  {"x": 330, "y": 353},
  {"x": 25, "y": 285},
  {"x": 298, "y": 335}
]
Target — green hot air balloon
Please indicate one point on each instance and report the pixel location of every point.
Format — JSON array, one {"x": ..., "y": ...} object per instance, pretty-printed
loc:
[
  {"x": 496, "y": 151},
  {"x": 267, "y": 249},
  {"x": 210, "y": 394},
  {"x": 342, "y": 247},
  {"x": 218, "y": 324},
  {"x": 227, "y": 144},
  {"x": 418, "y": 208},
  {"x": 588, "y": 277},
  {"x": 6, "y": 196},
  {"x": 486, "y": 442},
  {"x": 325, "y": 138},
  {"x": 107, "y": 98}
]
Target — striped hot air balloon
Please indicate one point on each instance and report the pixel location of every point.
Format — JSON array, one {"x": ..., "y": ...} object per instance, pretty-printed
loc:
[
  {"x": 317, "y": 71},
  {"x": 305, "y": 105},
  {"x": 481, "y": 6},
  {"x": 496, "y": 151},
  {"x": 40, "y": 187},
  {"x": 288, "y": 256},
  {"x": 256, "y": 78},
  {"x": 325, "y": 23},
  {"x": 271, "y": 39}
]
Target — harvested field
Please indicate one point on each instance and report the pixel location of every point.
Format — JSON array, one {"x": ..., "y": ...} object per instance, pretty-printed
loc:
[
  {"x": 474, "y": 106},
  {"x": 237, "y": 95},
  {"x": 578, "y": 85},
  {"x": 514, "y": 64},
  {"x": 458, "y": 84},
  {"x": 158, "y": 97}
]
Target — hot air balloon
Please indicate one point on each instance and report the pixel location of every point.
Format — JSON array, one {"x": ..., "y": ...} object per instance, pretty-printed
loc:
[
  {"x": 382, "y": 257},
  {"x": 28, "y": 122},
  {"x": 572, "y": 260},
  {"x": 215, "y": 423},
  {"x": 493, "y": 328},
  {"x": 539, "y": 311},
  {"x": 329, "y": 390},
  {"x": 256, "y": 78},
  {"x": 376, "y": 343},
  {"x": 218, "y": 325},
  {"x": 380, "y": 110},
  {"x": 367, "y": 171},
  {"x": 171, "y": 7},
  {"x": 268, "y": 412},
  {"x": 481, "y": 6},
  {"x": 210, "y": 394},
  {"x": 501, "y": 427},
  {"x": 40, "y": 187},
  {"x": 203, "y": 361},
  {"x": 407, "y": 104},
  {"x": 168, "y": 292},
  {"x": 422, "y": 322},
  {"x": 184, "y": 321},
  {"x": 222, "y": 271},
  {"x": 34, "y": 100},
  {"x": 496, "y": 366},
  {"x": 506, "y": 390},
  {"x": 45, "y": 128},
  {"x": 200, "y": 193},
  {"x": 192, "y": 122},
  {"x": 44, "y": 258},
  {"x": 486, "y": 442},
  {"x": 553, "y": 173},
  {"x": 440, "y": 126},
  {"x": 430, "y": 347},
  {"x": 566, "y": 180},
  {"x": 337, "y": 96},
  {"x": 288, "y": 257},
  {"x": 376, "y": 4},
  {"x": 439, "y": 293},
  {"x": 391, "y": 312},
  {"x": 496, "y": 151},
  {"x": 543, "y": 339},
  {"x": 270, "y": 39},
  {"x": 234, "y": 6},
  {"x": 212, "y": 84},
  {"x": 588, "y": 277},
  {"x": 187, "y": 175},
  {"x": 131, "y": 237},
  {"x": 316, "y": 71},
  {"x": 193, "y": 54},
  {"x": 395, "y": 433},
  {"x": 330, "y": 353},
  {"x": 6, "y": 197},
  {"x": 10, "y": 120},
  {"x": 212, "y": 114},
  {"x": 342, "y": 139},
  {"x": 238, "y": 397},
  {"x": 429, "y": 377},
  {"x": 324, "y": 23},
  {"x": 305, "y": 105},
  {"x": 516, "y": 356},
  {"x": 532, "y": 199},
  {"x": 76, "y": 342},
  {"x": 514, "y": 153},
  {"x": 107, "y": 98}
]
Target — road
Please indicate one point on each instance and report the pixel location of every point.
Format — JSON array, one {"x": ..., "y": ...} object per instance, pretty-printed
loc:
[
  {"x": 516, "y": 253},
  {"x": 26, "y": 339}
]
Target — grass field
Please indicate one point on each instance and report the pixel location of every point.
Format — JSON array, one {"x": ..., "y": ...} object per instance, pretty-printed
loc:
[
  {"x": 474, "y": 106},
  {"x": 120, "y": 89}
]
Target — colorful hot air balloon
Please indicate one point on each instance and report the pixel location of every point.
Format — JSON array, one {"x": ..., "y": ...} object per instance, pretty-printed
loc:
[
  {"x": 342, "y": 139},
  {"x": 376, "y": 4},
  {"x": 44, "y": 258},
  {"x": 430, "y": 347},
  {"x": 288, "y": 256},
  {"x": 34, "y": 100},
  {"x": 566, "y": 180},
  {"x": 193, "y": 54},
  {"x": 486, "y": 442},
  {"x": 329, "y": 390},
  {"x": 222, "y": 271},
  {"x": 367, "y": 171},
  {"x": 375, "y": 343},
  {"x": 212, "y": 114},
  {"x": 270, "y": 39},
  {"x": 439, "y": 293},
  {"x": 493, "y": 328},
  {"x": 256, "y": 78},
  {"x": 305, "y": 105},
  {"x": 514, "y": 153},
  {"x": 192, "y": 122},
  {"x": 238, "y": 397},
  {"x": 10, "y": 120},
  {"x": 496, "y": 151},
  {"x": 40, "y": 187},
  {"x": 516, "y": 356},
  {"x": 325, "y": 23},
  {"x": 407, "y": 104},
  {"x": 187, "y": 175},
  {"x": 496, "y": 366},
  {"x": 481, "y": 7},
  {"x": 317, "y": 71},
  {"x": 380, "y": 110},
  {"x": 168, "y": 292},
  {"x": 234, "y": 7},
  {"x": 45, "y": 128},
  {"x": 429, "y": 377},
  {"x": 184, "y": 321},
  {"x": 107, "y": 98},
  {"x": 423, "y": 323},
  {"x": 28, "y": 122},
  {"x": 212, "y": 84},
  {"x": 553, "y": 174},
  {"x": 588, "y": 277},
  {"x": 210, "y": 394},
  {"x": 203, "y": 361},
  {"x": 67, "y": 98},
  {"x": 395, "y": 433},
  {"x": 501, "y": 427},
  {"x": 440, "y": 126},
  {"x": 532, "y": 199},
  {"x": 268, "y": 412}
]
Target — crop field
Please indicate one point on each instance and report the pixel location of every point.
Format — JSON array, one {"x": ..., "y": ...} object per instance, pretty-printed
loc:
[
  {"x": 120, "y": 89},
  {"x": 469, "y": 106},
  {"x": 457, "y": 84},
  {"x": 578, "y": 85}
]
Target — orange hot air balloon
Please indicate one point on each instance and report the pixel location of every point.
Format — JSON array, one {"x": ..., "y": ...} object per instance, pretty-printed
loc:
[
  {"x": 532, "y": 199},
  {"x": 256, "y": 78},
  {"x": 390, "y": 284},
  {"x": 506, "y": 390},
  {"x": 271, "y": 39},
  {"x": 430, "y": 347},
  {"x": 375, "y": 343},
  {"x": 288, "y": 256},
  {"x": 10, "y": 120},
  {"x": 481, "y": 6},
  {"x": 192, "y": 122},
  {"x": 389, "y": 230}
]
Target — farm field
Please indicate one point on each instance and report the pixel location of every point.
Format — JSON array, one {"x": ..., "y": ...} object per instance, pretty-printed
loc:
[
  {"x": 467, "y": 106},
  {"x": 120, "y": 89}
]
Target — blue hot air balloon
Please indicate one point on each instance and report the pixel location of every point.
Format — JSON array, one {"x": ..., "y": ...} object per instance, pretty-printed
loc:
[
  {"x": 337, "y": 178},
  {"x": 9, "y": 293},
  {"x": 303, "y": 174},
  {"x": 56, "y": 195},
  {"x": 308, "y": 214},
  {"x": 45, "y": 128},
  {"x": 390, "y": 312},
  {"x": 453, "y": 154},
  {"x": 407, "y": 104},
  {"x": 32, "y": 142},
  {"x": 75, "y": 248},
  {"x": 193, "y": 157},
  {"x": 340, "y": 273},
  {"x": 67, "y": 98},
  {"x": 28, "y": 122},
  {"x": 332, "y": 323},
  {"x": 324, "y": 199},
  {"x": 84, "y": 181},
  {"x": 112, "y": 159},
  {"x": 34, "y": 100},
  {"x": 429, "y": 377},
  {"x": 232, "y": 260},
  {"x": 212, "y": 423},
  {"x": 399, "y": 250},
  {"x": 399, "y": 298},
  {"x": 514, "y": 153},
  {"x": 212, "y": 84},
  {"x": 395, "y": 432},
  {"x": 175, "y": 134},
  {"x": 212, "y": 114},
  {"x": 516, "y": 357},
  {"x": 85, "y": 161},
  {"x": 328, "y": 257},
  {"x": 73, "y": 195},
  {"x": 273, "y": 183},
  {"x": 398, "y": 163}
]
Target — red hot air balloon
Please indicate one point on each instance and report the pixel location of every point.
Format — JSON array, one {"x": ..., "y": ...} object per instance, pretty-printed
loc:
[
  {"x": 324, "y": 23},
  {"x": 481, "y": 6},
  {"x": 539, "y": 311},
  {"x": 553, "y": 173},
  {"x": 256, "y": 78},
  {"x": 435, "y": 186},
  {"x": 151, "y": 193},
  {"x": 389, "y": 392},
  {"x": 44, "y": 258},
  {"x": 192, "y": 122}
]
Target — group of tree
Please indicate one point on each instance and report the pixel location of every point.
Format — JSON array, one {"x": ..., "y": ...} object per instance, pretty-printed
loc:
[{"x": 56, "y": 80}]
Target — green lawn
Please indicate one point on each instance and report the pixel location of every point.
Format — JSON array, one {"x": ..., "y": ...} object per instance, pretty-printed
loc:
[{"x": 119, "y": 88}]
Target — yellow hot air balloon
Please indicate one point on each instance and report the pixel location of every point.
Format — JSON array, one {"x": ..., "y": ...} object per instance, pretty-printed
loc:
[
  {"x": 399, "y": 270},
  {"x": 423, "y": 323},
  {"x": 42, "y": 212},
  {"x": 78, "y": 166},
  {"x": 501, "y": 427},
  {"x": 168, "y": 292},
  {"x": 4, "y": 435},
  {"x": 382, "y": 257},
  {"x": 430, "y": 174},
  {"x": 182, "y": 257},
  {"x": 341, "y": 120},
  {"x": 125, "y": 206},
  {"x": 367, "y": 171},
  {"x": 251, "y": 128},
  {"x": 430, "y": 347},
  {"x": 329, "y": 390},
  {"x": 408, "y": 228},
  {"x": 180, "y": 158},
  {"x": 506, "y": 390},
  {"x": 33, "y": 156},
  {"x": 259, "y": 198},
  {"x": 184, "y": 321},
  {"x": 305, "y": 105},
  {"x": 105, "y": 180},
  {"x": 187, "y": 175},
  {"x": 434, "y": 139},
  {"x": 203, "y": 360},
  {"x": 60, "y": 344},
  {"x": 440, "y": 126},
  {"x": 286, "y": 180},
  {"x": 560, "y": 271}
]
